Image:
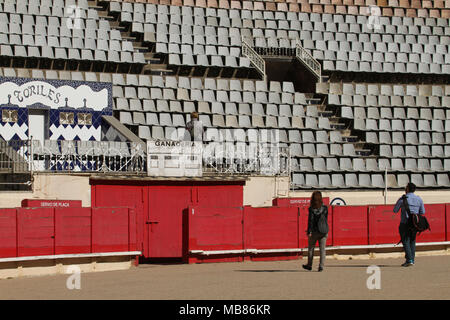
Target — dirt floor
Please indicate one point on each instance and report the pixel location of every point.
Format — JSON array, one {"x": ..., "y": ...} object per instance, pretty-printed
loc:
[{"x": 274, "y": 280}]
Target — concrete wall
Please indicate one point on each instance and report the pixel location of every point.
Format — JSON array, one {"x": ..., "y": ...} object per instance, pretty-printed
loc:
[
  {"x": 51, "y": 186},
  {"x": 9, "y": 270},
  {"x": 259, "y": 191}
]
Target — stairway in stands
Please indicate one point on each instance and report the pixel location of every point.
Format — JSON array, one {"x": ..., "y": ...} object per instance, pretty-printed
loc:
[{"x": 155, "y": 63}]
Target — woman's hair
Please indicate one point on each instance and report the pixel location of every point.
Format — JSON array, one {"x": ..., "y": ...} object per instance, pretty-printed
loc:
[{"x": 316, "y": 200}]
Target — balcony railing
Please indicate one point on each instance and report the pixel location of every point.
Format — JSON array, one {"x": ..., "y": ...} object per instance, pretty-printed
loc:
[
  {"x": 254, "y": 57},
  {"x": 267, "y": 158},
  {"x": 308, "y": 60}
]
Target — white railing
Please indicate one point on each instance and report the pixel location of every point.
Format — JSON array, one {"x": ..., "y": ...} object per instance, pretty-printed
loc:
[
  {"x": 264, "y": 158},
  {"x": 256, "y": 54},
  {"x": 14, "y": 156},
  {"x": 308, "y": 60},
  {"x": 88, "y": 156},
  {"x": 254, "y": 57}
]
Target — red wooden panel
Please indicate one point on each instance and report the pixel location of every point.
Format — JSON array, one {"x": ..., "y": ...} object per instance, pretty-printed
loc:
[
  {"x": 383, "y": 225},
  {"x": 296, "y": 202},
  {"x": 165, "y": 220},
  {"x": 122, "y": 195},
  {"x": 271, "y": 228},
  {"x": 26, "y": 203},
  {"x": 110, "y": 229},
  {"x": 447, "y": 221},
  {"x": 435, "y": 214},
  {"x": 8, "y": 233},
  {"x": 132, "y": 230},
  {"x": 220, "y": 195},
  {"x": 350, "y": 225},
  {"x": 72, "y": 230},
  {"x": 303, "y": 226},
  {"x": 213, "y": 228},
  {"x": 35, "y": 231}
]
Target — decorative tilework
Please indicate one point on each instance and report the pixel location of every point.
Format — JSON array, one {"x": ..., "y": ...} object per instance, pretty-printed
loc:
[{"x": 74, "y": 131}]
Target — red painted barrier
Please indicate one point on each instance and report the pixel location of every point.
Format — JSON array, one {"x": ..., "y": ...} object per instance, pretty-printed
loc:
[
  {"x": 72, "y": 230},
  {"x": 350, "y": 225},
  {"x": 165, "y": 220},
  {"x": 447, "y": 221},
  {"x": 110, "y": 229},
  {"x": 383, "y": 225},
  {"x": 159, "y": 208},
  {"x": 35, "y": 231},
  {"x": 296, "y": 202},
  {"x": 271, "y": 228},
  {"x": 43, "y": 203},
  {"x": 435, "y": 214},
  {"x": 131, "y": 196},
  {"x": 303, "y": 226},
  {"x": 214, "y": 229},
  {"x": 220, "y": 195},
  {"x": 8, "y": 234}
]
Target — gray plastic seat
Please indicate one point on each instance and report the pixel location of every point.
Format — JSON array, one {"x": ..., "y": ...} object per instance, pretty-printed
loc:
[
  {"x": 298, "y": 179},
  {"x": 311, "y": 180},
  {"x": 417, "y": 179},
  {"x": 351, "y": 180},
  {"x": 337, "y": 181},
  {"x": 443, "y": 180}
]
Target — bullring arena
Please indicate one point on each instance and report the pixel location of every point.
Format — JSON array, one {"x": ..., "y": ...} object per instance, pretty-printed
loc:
[{"x": 102, "y": 180}]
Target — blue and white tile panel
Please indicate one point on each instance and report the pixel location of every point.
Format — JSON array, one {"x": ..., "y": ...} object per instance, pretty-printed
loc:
[{"x": 55, "y": 96}]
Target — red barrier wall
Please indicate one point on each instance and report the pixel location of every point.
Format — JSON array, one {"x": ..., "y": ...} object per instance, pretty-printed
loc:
[
  {"x": 350, "y": 225},
  {"x": 271, "y": 228},
  {"x": 132, "y": 196},
  {"x": 383, "y": 225},
  {"x": 159, "y": 208},
  {"x": 110, "y": 229},
  {"x": 303, "y": 226},
  {"x": 224, "y": 232},
  {"x": 72, "y": 230},
  {"x": 35, "y": 231},
  {"x": 435, "y": 214},
  {"x": 8, "y": 233},
  {"x": 296, "y": 202},
  {"x": 447, "y": 221},
  {"x": 43, "y": 203}
]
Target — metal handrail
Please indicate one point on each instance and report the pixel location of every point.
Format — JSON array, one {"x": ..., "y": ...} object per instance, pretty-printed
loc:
[
  {"x": 254, "y": 57},
  {"x": 308, "y": 60}
]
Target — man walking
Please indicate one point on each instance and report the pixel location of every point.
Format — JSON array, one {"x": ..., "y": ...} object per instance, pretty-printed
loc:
[{"x": 408, "y": 236}]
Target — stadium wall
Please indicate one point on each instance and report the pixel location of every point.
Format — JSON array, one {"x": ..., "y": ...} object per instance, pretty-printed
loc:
[
  {"x": 258, "y": 192},
  {"x": 51, "y": 186}
]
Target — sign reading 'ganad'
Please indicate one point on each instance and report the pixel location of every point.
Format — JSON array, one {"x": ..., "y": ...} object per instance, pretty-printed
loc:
[
  {"x": 174, "y": 158},
  {"x": 42, "y": 92}
]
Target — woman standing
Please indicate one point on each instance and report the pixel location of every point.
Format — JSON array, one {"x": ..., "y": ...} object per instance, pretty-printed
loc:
[{"x": 317, "y": 229}]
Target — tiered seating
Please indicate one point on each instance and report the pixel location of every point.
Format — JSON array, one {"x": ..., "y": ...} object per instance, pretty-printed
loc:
[
  {"x": 399, "y": 8},
  {"x": 409, "y": 124},
  {"x": 210, "y": 37},
  {"x": 43, "y": 35}
]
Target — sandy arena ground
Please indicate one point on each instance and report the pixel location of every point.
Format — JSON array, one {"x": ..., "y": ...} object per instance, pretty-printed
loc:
[{"x": 341, "y": 279}]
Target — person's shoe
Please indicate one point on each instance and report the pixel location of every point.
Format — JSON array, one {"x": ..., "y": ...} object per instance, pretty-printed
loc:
[
  {"x": 320, "y": 269},
  {"x": 408, "y": 264},
  {"x": 305, "y": 266}
]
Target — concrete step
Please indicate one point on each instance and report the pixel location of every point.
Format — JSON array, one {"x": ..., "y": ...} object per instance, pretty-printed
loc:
[
  {"x": 363, "y": 152},
  {"x": 350, "y": 138},
  {"x": 326, "y": 113}
]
